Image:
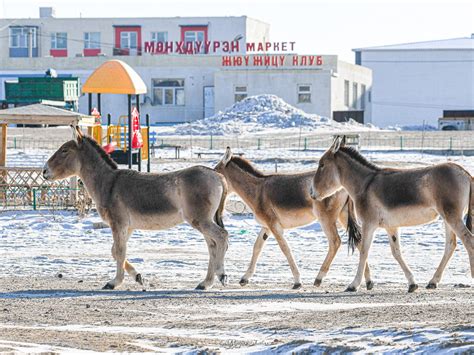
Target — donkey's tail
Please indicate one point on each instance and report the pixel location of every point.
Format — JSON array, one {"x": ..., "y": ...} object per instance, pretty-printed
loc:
[
  {"x": 470, "y": 209},
  {"x": 353, "y": 229},
  {"x": 220, "y": 209}
]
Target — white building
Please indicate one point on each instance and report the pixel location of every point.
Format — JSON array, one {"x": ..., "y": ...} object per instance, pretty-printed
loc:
[
  {"x": 415, "y": 82},
  {"x": 192, "y": 67}
]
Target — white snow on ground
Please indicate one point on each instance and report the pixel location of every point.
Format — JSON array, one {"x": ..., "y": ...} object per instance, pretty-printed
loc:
[{"x": 261, "y": 113}]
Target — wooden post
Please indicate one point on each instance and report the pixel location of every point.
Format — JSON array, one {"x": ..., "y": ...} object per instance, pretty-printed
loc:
[
  {"x": 3, "y": 158},
  {"x": 3, "y": 145}
]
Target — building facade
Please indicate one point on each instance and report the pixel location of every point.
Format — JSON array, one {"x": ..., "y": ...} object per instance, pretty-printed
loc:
[
  {"x": 414, "y": 83},
  {"x": 193, "y": 67}
]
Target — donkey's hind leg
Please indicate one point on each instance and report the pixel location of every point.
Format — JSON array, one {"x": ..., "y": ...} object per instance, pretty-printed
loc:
[
  {"x": 277, "y": 231},
  {"x": 467, "y": 238},
  {"x": 209, "y": 280},
  {"x": 449, "y": 248},
  {"x": 334, "y": 241},
  {"x": 394, "y": 238},
  {"x": 257, "y": 249},
  {"x": 217, "y": 239}
]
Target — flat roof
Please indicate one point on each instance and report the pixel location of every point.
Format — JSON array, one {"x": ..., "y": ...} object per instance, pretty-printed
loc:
[
  {"x": 443, "y": 44},
  {"x": 44, "y": 114}
]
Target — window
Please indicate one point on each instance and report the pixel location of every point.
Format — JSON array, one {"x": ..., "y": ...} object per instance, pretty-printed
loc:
[
  {"x": 168, "y": 92},
  {"x": 355, "y": 95},
  {"x": 240, "y": 93},
  {"x": 346, "y": 93},
  {"x": 128, "y": 40},
  {"x": 19, "y": 37},
  {"x": 92, "y": 40},
  {"x": 59, "y": 40},
  {"x": 304, "y": 94},
  {"x": 195, "y": 36},
  {"x": 362, "y": 97},
  {"x": 159, "y": 36}
]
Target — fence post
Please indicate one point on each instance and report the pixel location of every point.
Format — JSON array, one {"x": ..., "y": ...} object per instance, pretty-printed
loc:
[
  {"x": 401, "y": 142},
  {"x": 305, "y": 143},
  {"x": 210, "y": 146},
  {"x": 34, "y": 199},
  {"x": 450, "y": 143},
  {"x": 258, "y": 144},
  {"x": 14, "y": 142}
]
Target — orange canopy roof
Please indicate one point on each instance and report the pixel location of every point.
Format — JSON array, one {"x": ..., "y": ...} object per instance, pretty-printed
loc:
[{"x": 114, "y": 77}]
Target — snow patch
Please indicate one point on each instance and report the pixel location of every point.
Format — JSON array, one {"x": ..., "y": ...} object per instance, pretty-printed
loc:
[{"x": 260, "y": 113}]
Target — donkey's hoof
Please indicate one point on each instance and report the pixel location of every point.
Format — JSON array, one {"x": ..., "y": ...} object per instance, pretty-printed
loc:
[
  {"x": 412, "y": 288},
  {"x": 201, "y": 286},
  {"x": 243, "y": 282},
  {"x": 139, "y": 278},
  {"x": 431, "y": 286},
  {"x": 108, "y": 286},
  {"x": 351, "y": 289},
  {"x": 296, "y": 286},
  {"x": 317, "y": 282},
  {"x": 223, "y": 279},
  {"x": 369, "y": 285}
]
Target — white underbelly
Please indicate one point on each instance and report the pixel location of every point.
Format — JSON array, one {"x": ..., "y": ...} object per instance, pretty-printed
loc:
[
  {"x": 155, "y": 222},
  {"x": 293, "y": 219},
  {"x": 408, "y": 216}
]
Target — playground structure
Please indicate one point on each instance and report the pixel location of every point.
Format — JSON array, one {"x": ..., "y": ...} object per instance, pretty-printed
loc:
[{"x": 117, "y": 77}]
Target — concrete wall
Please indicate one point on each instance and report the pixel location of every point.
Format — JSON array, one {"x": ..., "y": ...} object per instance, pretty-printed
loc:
[
  {"x": 353, "y": 74},
  {"x": 410, "y": 87},
  {"x": 281, "y": 82},
  {"x": 219, "y": 29}
]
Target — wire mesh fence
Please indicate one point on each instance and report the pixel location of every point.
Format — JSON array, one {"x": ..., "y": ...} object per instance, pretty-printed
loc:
[
  {"x": 458, "y": 141},
  {"x": 25, "y": 188}
]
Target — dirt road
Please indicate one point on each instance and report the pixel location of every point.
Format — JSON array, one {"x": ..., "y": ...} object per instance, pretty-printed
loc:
[{"x": 35, "y": 311}]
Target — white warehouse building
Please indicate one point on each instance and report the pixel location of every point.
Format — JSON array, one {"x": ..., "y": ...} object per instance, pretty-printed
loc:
[
  {"x": 415, "y": 82},
  {"x": 182, "y": 85}
]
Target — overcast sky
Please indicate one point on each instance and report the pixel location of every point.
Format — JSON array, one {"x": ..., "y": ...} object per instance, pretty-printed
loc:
[{"x": 317, "y": 27}]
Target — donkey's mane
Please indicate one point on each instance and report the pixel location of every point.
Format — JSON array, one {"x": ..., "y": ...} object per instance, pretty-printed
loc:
[
  {"x": 355, "y": 155},
  {"x": 102, "y": 153},
  {"x": 246, "y": 166}
]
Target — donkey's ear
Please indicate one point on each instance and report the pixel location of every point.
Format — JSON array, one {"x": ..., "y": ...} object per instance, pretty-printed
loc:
[
  {"x": 227, "y": 156},
  {"x": 77, "y": 134},
  {"x": 343, "y": 141},
  {"x": 336, "y": 144}
]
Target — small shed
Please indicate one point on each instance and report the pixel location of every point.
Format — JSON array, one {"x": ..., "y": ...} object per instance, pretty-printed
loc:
[
  {"x": 37, "y": 114},
  {"x": 25, "y": 186}
]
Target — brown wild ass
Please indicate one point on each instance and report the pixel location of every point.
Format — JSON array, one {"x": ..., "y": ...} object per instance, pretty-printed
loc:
[
  {"x": 128, "y": 200},
  {"x": 282, "y": 201},
  {"x": 393, "y": 198}
]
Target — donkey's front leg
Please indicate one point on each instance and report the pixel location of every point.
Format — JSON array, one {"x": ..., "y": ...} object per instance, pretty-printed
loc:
[
  {"x": 257, "y": 249},
  {"x": 449, "y": 248},
  {"x": 285, "y": 248},
  {"x": 394, "y": 238},
  {"x": 330, "y": 230},
  {"x": 365, "y": 244},
  {"x": 119, "y": 252}
]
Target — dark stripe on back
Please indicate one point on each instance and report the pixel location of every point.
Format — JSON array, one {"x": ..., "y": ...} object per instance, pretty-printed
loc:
[
  {"x": 245, "y": 165},
  {"x": 102, "y": 153},
  {"x": 355, "y": 155}
]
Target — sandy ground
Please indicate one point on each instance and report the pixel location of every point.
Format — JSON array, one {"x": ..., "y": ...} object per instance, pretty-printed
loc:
[{"x": 35, "y": 310}]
